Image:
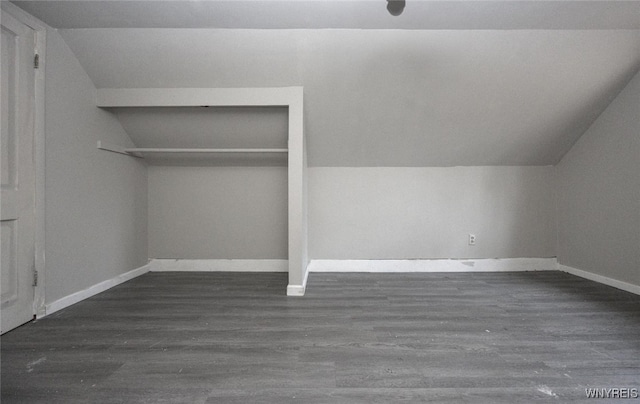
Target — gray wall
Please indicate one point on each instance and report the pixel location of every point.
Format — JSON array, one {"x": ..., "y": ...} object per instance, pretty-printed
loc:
[
  {"x": 354, "y": 213},
  {"x": 599, "y": 193},
  {"x": 96, "y": 202},
  {"x": 218, "y": 212},
  {"x": 392, "y": 97},
  {"x": 375, "y": 98},
  {"x": 396, "y": 213}
]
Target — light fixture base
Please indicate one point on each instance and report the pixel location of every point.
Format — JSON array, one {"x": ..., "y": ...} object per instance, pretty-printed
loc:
[{"x": 395, "y": 7}]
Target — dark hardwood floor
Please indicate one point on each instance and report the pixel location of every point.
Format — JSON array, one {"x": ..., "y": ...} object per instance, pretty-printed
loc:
[{"x": 354, "y": 338}]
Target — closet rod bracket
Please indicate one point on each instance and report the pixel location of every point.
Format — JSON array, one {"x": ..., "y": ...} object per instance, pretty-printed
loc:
[{"x": 117, "y": 149}]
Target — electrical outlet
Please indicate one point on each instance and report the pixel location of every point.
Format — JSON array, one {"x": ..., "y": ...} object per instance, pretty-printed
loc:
[{"x": 472, "y": 239}]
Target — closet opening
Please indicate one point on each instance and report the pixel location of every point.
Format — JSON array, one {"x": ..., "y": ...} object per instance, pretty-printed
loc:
[
  {"x": 225, "y": 189},
  {"x": 214, "y": 205}
]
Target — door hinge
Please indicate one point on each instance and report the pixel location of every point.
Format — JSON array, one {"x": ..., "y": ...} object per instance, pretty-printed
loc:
[
  {"x": 36, "y": 61},
  {"x": 35, "y": 278}
]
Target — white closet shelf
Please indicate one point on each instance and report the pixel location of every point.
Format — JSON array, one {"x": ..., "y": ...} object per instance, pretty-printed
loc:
[
  {"x": 169, "y": 150},
  {"x": 136, "y": 151}
]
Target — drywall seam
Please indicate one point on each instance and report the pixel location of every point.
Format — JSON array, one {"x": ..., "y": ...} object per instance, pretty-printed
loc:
[
  {"x": 435, "y": 265},
  {"x": 93, "y": 290},
  {"x": 219, "y": 265},
  {"x": 628, "y": 287}
]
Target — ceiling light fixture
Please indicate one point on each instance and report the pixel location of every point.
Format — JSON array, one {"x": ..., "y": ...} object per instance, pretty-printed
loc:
[{"x": 395, "y": 7}]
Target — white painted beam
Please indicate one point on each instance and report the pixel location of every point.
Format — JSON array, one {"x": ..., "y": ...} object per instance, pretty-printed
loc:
[{"x": 196, "y": 97}]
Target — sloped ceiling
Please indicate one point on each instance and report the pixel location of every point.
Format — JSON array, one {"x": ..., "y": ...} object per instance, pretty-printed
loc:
[
  {"x": 379, "y": 97},
  {"x": 360, "y": 14}
]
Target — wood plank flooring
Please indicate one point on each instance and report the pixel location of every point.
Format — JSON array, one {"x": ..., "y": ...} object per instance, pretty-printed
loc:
[{"x": 354, "y": 338}]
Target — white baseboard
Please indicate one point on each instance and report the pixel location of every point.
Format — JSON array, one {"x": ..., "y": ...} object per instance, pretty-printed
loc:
[
  {"x": 435, "y": 265},
  {"x": 629, "y": 287},
  {"x": 298, "y": 290},
  {"x": 92, "y": 290},
  {"x": 216, "y": 265}
]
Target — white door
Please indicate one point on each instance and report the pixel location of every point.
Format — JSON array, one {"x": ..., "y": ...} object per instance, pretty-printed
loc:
[{"x": 17, "y": 204}]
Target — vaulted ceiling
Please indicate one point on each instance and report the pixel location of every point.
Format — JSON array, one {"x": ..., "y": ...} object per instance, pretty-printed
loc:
[
  {"x": 446, "y": 83},
  {"x": 361, "y": 14}
]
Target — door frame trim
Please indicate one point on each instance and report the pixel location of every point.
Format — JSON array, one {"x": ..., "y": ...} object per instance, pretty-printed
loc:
[{"x": 40, "y": 30}]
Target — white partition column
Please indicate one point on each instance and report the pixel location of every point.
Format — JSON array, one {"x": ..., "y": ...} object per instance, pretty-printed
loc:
[{"x": 298, "y": 256}]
